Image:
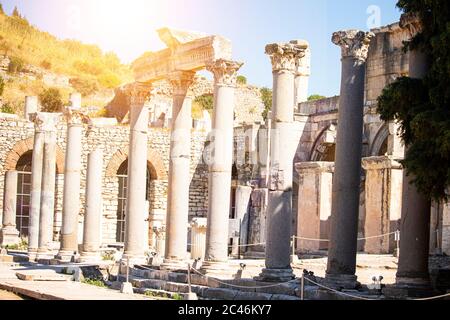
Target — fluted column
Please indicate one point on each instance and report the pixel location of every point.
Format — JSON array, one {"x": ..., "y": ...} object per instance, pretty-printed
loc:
[
  {"x": 284, "y": 58},
  {"x": 135, "y": 215},
  {"x": 9, "y": 235},
  {"x": 225, "y": 79},
  {"x": 93, "y": 213},
  {"x": 179, "y": 172},
  {"x": 198, "y": 238},
  {"x": 47, "y": 202},
  {"x": 415, "y": 222},
  {"x": 72, "y": 184},
  {"x": 347, "y": 177}
]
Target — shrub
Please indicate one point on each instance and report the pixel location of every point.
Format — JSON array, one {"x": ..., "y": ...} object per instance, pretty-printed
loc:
[
  {"x": 8, "y": 108},
  {"x": 86, "y": 86},
  {"x": 46, "y": 64},
  {"x": 241, "y": 80},
  {"x": 2, "y": 86},
  {"x": 109, "y": 80},
  {"x": 266, "y": 97},
  {"x": 315, "y": 97},
  {"x": 51, "y": 100},
  {"x": 206, "y": 101},
  {"x": 94, "y": 282},
  {"x": 16, "y": 65}
]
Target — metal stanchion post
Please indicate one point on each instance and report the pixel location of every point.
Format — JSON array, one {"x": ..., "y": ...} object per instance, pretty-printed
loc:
[
  {"x": 190, "y": 295},
  {"x": 302, "y": 288}
]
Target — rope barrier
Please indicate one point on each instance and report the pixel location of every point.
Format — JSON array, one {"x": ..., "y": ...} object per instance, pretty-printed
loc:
[
  {"x": 240, "y": 245},
  {"x": 338, "y": 292},
  {"x": 359, "y": 239},
  {"x": 433, "y": 298}
]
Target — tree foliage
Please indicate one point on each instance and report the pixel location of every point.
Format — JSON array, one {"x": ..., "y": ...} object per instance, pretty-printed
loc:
[
  {"x": 2, "y": 86},
  {"x": 51, "y": 100},
  {"x": 315, "y": 97},
  {"x": 422, "y": 106},
  {"x": 206, "y": 102},
  {"x": 242, "y": 80},
  {"x": 266, "y": 97}
]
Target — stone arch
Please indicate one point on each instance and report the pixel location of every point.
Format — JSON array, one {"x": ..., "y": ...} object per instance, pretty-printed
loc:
[
  {"x": 22, "y": 147},
  {"x": 380, "y": 141},
  {"x": 325, "y": 142},
  {"x": 154, "y": 162}
]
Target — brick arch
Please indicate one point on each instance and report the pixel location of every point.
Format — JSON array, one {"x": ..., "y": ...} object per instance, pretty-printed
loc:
[
  {"x": 22, "y": 147},
  {"x": 325, "y": 139},
  {"x": 154, "y": 162},
  {"x": 379, "y": 140}
]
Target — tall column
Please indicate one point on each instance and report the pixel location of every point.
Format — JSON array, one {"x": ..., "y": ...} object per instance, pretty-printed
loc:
[
  {"x": 72, "y": 184},
  {"x": 179, "y": 172},
  {"x": 219, "y": 186},
  {"x": 135, "y": 215},
  {"x": 347, "y": 177},
  {"x": 302, "y": 74},
  {"x": 415, "y": 221},
  {"x": 47, "y": 203},
  {"x": 93, "y": 213},
  {"x": 284, "y": 58},
  {"x": 9, "y": 234},
  {"x": 314, "y": 204}
]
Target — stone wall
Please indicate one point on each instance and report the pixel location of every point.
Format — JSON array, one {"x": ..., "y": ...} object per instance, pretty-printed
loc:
[{"x": 16, "y": 138}]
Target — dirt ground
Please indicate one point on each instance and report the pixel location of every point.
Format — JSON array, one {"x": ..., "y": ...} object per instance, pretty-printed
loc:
[{"x": 5, "y": 295}]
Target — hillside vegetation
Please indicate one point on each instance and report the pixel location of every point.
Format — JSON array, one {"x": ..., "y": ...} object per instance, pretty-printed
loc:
[{"x": 29, "y": 49}]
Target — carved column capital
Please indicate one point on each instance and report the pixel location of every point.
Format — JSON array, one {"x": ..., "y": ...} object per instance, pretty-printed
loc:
[
  {"x": 303, "y": 61},
  {"x": 225, "y": 72},
  {"x": 45, "y": 122},
  {"x": 285, "y": 56},
  {"x": 75, "y": 117},
  {"x": 411, "y": 22},
  {"x": 181, "y": 81},
  {"x": 138, "y": 93},
  {"x": 354, "y": 43}
]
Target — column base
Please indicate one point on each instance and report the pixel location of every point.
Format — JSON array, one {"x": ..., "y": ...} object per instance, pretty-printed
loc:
[
  {"x": 409, "y": 288},
  {"x": 89, "y": 257},
  {"x": 174, "y": 264},
  {"x": 216, "y": 269},
  {"x": 32, "y": 255},
  {"x": 276, "y": 275},
  {"x": 9, "y": 236},
  {"x": 342, "y": 281},
  {"x": 44, "y": 256}
]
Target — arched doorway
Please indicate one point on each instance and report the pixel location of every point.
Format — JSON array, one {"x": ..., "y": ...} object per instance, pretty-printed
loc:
[
  {"x": 122, "y": 176},
  {"x": 23, "y": 168}
]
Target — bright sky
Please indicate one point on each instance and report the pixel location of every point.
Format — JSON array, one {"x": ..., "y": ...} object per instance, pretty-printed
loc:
[{"x": 127, "y": 27}]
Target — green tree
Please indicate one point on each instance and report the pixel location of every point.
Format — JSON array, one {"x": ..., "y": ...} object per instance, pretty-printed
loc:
[
  {"x": 266, "y": 97},
  {"x": 242, "y": 80},
  {"x": 206, "y": 102},
  {"x": 315, "y": 97},
  {"x": 1, "y": 9},
  {"x": 51, "y": 100},
  {"x": 422, "y": 107}
]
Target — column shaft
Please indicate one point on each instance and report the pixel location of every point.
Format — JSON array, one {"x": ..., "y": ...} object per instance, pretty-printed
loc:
[
  {"x": 47, "y": 196},
  {"x": 71, "y": 197},
  {"x": 93, "y": 213},
  {"x": 179, "y": 172}
]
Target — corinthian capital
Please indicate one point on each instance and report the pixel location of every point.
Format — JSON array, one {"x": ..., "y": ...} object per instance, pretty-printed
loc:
[
  {"x": 181, "y": 81},
  {"x": 45, "y": 122},
  {"x": 285, "y": 56},
  {"x": 138, "y": 93},
  {"x": 303, "y": 61},
  {"x": 75, "y": 116},
  {"x": 225, "y": 71},
  {"x": 354, "y": 43},
  {"x": 411, "y": 22}
]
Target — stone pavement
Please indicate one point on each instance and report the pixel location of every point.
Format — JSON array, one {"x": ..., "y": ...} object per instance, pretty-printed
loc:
[{"x": 55, "y": 290}]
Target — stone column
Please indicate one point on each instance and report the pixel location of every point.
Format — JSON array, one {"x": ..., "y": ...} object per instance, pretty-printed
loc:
[
  {"x": 302, "y": 74},
  {"x": 94, "y": 208},
  {"x": 415, "y": 222},
  {"x": 72, "y": 185},
  {"x": 9, "y": 235},
  {"x": 219, "y": 186},
  {"x": 31, "y": 106},
  {"x": 179, "y": 172},
  {"x": 135, "y": 216},
  {"x": 198, "y": 238},
  {"x": 47, "y": 203},
  {"x": 347, "y": 177},
  {"x": 75, "y": 101},
  {"x": 314, "y": 204},
  {"x": 243, "y": 195},
  {"x": 384, "y": 177},
  {"x": 284, "y": 58}
]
